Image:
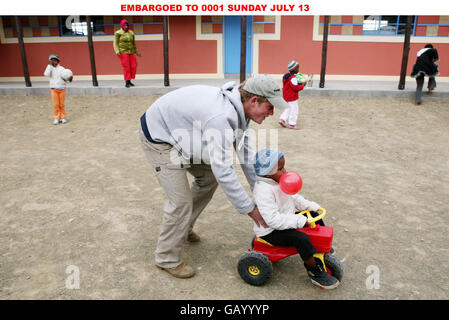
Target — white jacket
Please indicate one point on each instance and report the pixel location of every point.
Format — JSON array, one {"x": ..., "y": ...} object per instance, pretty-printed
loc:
[
  {"x": 278, "y": 208},
  {"x": 55, "y": 73}
]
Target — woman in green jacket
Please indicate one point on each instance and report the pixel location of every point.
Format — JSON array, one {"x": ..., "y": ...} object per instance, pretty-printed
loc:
[{"x": 126, "y": 49}]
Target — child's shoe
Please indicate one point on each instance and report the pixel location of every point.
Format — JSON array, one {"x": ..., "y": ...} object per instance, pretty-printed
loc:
[
  {"x": 320, "y": 277},
  {"x": 282, "y": 123},
  {"x": 293, "y": 126},
  {"x": 56, "y": 121},
  {"x": 63, "y": 121}
]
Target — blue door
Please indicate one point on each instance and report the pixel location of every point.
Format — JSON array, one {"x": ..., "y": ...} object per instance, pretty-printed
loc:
[{"x": 232, "y": 33}]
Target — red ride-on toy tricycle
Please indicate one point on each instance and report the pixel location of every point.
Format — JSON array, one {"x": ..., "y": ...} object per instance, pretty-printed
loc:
[{"x": 255, "y": 266}]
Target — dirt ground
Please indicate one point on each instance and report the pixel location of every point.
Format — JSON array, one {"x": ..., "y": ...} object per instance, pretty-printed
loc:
[{"x": 81, "y": 194}]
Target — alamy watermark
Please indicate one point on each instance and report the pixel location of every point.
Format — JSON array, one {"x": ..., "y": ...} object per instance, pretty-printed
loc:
[
  {"x": 73, "y": 280},
  {"x": 373, "y": 280},
  {"x": 70, "y": 20},
  {"x": 214, "y": 146}
]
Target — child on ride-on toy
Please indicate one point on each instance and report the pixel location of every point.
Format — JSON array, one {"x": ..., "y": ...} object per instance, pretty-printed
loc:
[{"x": 278, "y": 210}]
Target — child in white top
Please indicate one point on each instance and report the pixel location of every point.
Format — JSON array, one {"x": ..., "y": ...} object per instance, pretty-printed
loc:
[
  {"x": 57, "y": 87},
  {"x": 278, "y": 210}
]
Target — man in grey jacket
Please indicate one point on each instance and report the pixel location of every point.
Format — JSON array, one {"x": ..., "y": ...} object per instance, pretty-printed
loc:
[{"x": 195, "y": 129}]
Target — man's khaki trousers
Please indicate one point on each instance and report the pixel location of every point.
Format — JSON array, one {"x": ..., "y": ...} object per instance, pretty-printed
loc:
[{"x": 184, "y": 203}]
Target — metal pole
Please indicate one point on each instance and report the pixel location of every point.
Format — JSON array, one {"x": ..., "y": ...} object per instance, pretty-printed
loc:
[
  {"x": 166, "y": 75},
  {"x": 405, "y": 53},
  {"x": 324, "y": 51},
  {"x": 91, "y": 52},
  {"x": 243, "y": 49},
  {"x": 23, "y": 56}
]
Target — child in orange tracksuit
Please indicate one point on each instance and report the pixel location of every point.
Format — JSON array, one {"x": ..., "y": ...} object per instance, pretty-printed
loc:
[
  {"x": 290, "y": 90},
  {"x": 57, "y": 87}
]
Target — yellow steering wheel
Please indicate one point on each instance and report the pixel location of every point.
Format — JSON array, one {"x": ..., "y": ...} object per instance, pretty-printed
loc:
[{"x": 313, "y": 220}]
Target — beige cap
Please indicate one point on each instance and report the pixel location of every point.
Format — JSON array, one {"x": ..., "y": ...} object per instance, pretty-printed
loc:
[{"x": 263, "y": 85}]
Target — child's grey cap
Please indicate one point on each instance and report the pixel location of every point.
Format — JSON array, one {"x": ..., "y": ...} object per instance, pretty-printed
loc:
[
  {"x": 263, "y": 85},
  {"x": 53, "y": 56},
  {"x": 292, "y": 65},
  {"x": 266, "y": 161}
]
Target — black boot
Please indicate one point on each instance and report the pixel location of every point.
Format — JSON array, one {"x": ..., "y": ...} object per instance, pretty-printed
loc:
[
  {"x": 320, "y": 277},
  {"x": 127, "y": 84},
  {"x": 131, "y": 84}
]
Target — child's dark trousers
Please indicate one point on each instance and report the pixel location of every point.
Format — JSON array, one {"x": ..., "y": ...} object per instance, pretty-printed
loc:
[{"x": 295, "y": 238}]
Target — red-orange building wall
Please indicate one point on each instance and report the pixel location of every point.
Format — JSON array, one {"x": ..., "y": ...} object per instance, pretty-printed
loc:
[
  {"x": 186, "y": 54},
  {"x": 190, "y": 56},
  {"x": 343, "y": 58}
]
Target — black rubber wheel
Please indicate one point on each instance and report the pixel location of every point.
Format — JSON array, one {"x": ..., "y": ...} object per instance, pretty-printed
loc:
[
  {"x": 255, "y": 268},
  {"x": 334, "y": 265}
]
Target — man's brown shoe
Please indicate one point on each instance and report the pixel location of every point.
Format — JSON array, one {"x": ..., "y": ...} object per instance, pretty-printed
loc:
[
  {"x": 182, "y": 271},
  {"x": 193, "y": 237}
]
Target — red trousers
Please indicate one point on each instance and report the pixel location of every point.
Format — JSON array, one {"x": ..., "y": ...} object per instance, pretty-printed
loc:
[{"x": 129, "y": 64}]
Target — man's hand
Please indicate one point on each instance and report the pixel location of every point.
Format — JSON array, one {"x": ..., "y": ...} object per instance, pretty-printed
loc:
[{"x": 257, "y": 217}]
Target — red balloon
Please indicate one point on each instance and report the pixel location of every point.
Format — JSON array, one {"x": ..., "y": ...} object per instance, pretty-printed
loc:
[{"x": 290, "y": 182}]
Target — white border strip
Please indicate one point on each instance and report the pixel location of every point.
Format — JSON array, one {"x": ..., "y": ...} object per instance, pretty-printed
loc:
[{"x": 179, "y": 7}]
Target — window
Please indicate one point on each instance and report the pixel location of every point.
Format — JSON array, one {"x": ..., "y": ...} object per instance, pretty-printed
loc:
[
  {"x": 432, "y": 26},
  {"x": 378, "y": 28},
  {"x": 264, "y": 24},
  {"x": 211, "y": 24},
  {"x": 367, "y": 25},
  {"x": 386, "y": 25},
  {"x": 77, "y": 25},
  {"x": 32, "y": 26}
]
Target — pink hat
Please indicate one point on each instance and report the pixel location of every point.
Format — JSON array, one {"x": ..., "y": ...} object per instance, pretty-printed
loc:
[{"x": 123, "y": 22}]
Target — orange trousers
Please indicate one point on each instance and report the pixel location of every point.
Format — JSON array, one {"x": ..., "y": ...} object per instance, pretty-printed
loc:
[{"x": 58, "y": 99}]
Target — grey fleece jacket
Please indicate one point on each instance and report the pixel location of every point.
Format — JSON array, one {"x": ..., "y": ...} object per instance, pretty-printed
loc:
[{"x": 205, "y": 124}]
